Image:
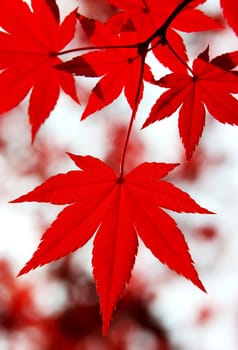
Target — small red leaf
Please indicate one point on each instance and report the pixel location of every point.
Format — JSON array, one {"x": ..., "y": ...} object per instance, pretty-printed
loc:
[{"x": 211, "y": 85}]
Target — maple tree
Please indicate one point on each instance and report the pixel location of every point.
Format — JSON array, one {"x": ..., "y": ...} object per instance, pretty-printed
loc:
[{"x": 116, "y": 206}]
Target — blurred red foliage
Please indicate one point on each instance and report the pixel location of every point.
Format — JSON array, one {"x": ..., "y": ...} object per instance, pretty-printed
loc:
[{"x": 77, "y": 325}]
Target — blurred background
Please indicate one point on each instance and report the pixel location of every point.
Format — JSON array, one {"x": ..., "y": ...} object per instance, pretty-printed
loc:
[{"x": 56, "y": 307}]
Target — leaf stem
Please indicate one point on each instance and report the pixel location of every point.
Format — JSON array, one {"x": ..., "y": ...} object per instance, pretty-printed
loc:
[
  {"x": 160, "y": 32},
  {"x": 133, "y": 115},
  {"x": 180, "y": 59},
  {"x": 129, "y": 46},
  {"x": 142, "y": 50}
]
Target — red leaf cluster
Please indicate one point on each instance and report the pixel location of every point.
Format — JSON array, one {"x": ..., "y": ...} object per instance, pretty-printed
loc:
[{"x": 117, "y": 208}]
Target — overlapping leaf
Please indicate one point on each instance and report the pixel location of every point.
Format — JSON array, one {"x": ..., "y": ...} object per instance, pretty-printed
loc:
[
  {"x": 210, "y": 86},
  {"x": 117, "y": 210},
  {"x": 148, "y": 16},
  {"x": 27, "y": 57},
  {"x": 230, "y": 10},
  {"x": 119, "y": 67},
  {"x": 54, "y": 9}
]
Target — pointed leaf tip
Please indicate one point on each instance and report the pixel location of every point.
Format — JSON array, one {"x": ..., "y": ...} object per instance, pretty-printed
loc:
[{"x": 23, "y": 271}]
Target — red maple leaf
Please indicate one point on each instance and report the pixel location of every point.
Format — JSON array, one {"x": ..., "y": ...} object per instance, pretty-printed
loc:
[
  {"x": 27, "y": 57},
  {"x": 230, "y": 10},
  {"x": 117, "y": 210},
  {"x": 147, "y": 16},
  {"x": 120, "y": 67},
  {"x": 210, "y": 85}
]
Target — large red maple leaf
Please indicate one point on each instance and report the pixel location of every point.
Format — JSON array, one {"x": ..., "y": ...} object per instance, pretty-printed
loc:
[
  {"x": 210, "y": 85},
  {"x": 117, "y": 210},
  {"x": 27, "y": 57},
  {"x": 148, "y": 16},
  {"x": 118, "y": 65}
]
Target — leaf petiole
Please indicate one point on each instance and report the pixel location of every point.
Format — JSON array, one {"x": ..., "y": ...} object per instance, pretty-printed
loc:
[
  {"x": 133, "y": 115},
  {"x": 180, "y": 59}
]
